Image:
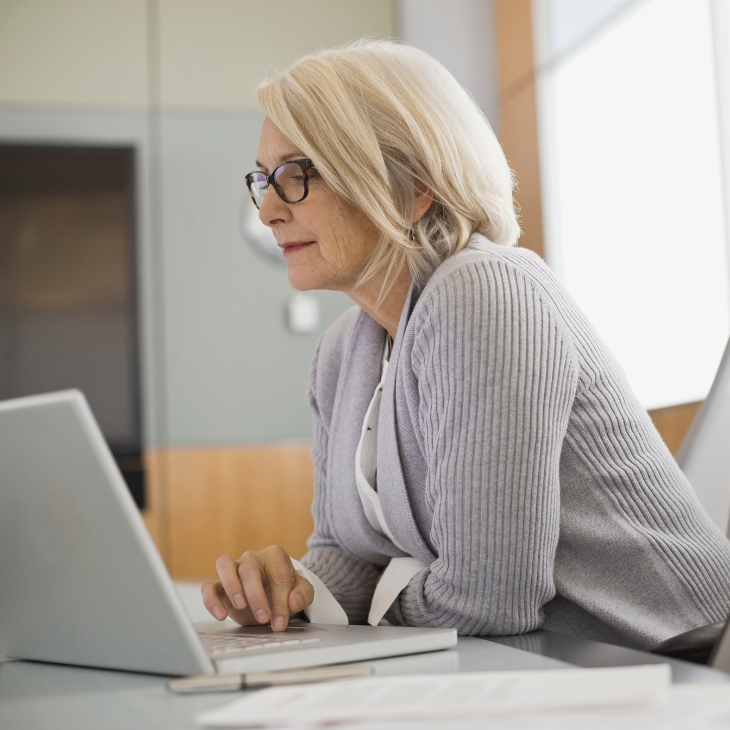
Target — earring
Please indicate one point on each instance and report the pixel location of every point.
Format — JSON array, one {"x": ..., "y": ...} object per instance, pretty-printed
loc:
[{"x": 412, "y": 235}]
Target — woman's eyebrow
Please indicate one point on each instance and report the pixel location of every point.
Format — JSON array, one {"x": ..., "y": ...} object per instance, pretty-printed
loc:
[{"x": 283, "y": 158}]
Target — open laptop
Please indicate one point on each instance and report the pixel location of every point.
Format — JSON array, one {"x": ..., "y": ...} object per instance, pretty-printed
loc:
[{"x": 82, "y": 583}]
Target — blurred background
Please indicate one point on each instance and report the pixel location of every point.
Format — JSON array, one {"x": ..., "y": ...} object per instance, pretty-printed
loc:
[{"x": 132, "y": 265}]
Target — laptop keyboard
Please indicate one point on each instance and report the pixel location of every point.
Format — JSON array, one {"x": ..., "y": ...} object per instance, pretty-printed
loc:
[{"x": 217, "y": 644}]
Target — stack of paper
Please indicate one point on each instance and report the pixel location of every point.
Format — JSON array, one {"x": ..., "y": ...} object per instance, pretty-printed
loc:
[{"x": 451, "y": 697}]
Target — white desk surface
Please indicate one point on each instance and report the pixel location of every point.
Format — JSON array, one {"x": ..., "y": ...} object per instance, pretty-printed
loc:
[{"x": 36, "y": 696}]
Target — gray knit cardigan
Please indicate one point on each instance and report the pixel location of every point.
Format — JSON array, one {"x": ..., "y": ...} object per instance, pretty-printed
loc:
[{"x": 514, "y": 461}]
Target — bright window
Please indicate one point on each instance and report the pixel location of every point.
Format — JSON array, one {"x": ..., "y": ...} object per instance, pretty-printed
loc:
[{"x": 633, "y": 193}]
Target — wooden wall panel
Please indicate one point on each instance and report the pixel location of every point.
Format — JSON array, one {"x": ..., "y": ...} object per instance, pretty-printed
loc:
[
  {"x": 515, "y": 58},
  {"x": 206, "y": 502},
  {"x": 155, "y": 515},
  {"x": 228, "y": 500},
  {"x": 518, "y": 135},
  {"x": 518, "y": 113}
]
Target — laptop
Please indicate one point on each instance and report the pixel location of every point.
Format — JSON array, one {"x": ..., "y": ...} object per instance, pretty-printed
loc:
[{"x": 81, "y": 581}]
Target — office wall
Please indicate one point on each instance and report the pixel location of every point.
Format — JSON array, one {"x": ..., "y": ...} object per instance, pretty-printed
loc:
[
  {"x": 460, "y": 34},
  {"x": 213, "y": 53},
  {"x": 226, "y": 421},
  {"x": 74, "y": 53},
  {"x": 208, "y": 55},
  {"x": 219, "y": 365}
]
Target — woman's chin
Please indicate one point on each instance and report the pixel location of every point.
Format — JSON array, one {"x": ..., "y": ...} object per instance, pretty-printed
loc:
[
  {"x": 302, "y": 280},
  {"x": 307, "y": 278}
]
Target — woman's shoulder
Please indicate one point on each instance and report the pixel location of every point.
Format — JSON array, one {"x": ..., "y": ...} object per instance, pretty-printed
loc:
[
  {"x": 481, "y": 256},
  {"x": 513, "y": 284},
  {"x": 498, "y": 273}
]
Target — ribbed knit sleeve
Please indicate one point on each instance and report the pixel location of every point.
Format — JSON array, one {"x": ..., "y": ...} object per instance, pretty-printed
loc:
[
  {"x": 350, "y": 579},
  {"x": 497, "y": 376}
]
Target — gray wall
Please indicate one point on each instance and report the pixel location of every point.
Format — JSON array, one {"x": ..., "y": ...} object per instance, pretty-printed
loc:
[
  {"x": 176, "y": 79},
  {"x": 218, "y": 364},
  {"x": 234, "y": 371}
]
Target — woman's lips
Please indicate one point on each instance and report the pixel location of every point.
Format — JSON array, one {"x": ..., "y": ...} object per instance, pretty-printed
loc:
[{"x": 294, "y": 246}]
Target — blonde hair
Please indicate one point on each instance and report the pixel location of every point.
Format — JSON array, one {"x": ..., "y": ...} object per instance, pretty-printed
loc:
[{"x": 382, "y": 120}]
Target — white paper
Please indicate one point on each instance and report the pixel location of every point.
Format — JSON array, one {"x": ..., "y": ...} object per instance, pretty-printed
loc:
[
  {"x": 687, "y": 707},
  {"x": 444, "y": 696}
]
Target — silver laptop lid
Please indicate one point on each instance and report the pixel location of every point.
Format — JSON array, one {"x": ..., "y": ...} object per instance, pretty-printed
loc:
[
  {"x": 68, "y": 523},
  {"x": 704, "y": 456}
]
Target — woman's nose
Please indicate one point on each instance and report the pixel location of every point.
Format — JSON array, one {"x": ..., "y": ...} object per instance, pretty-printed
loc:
[{"x": 273, "y": 209}]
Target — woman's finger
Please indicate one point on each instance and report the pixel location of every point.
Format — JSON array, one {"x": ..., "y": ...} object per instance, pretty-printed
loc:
[
  {"x": 251, "y": 576},
  {"x": 281, "y": 580},
  {"x": 227, "y": 569},
  {"x": 212, "y": 599},
  {"x": 302, "y": 594}
]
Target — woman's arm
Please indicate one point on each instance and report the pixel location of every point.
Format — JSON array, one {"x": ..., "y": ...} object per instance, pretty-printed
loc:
[
  {"x": 265, "y": 585},
  {"x": 497, "y": 378}
]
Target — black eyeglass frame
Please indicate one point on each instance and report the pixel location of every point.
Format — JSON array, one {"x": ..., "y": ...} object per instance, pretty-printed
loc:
[{"x": 304, "y": 164}]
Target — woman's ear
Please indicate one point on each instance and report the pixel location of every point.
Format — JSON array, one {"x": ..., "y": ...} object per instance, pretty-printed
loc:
[{"x": 422, "y": 203}]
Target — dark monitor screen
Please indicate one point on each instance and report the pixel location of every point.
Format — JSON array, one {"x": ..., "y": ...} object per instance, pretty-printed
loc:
[{"x": 67, "y": 281}]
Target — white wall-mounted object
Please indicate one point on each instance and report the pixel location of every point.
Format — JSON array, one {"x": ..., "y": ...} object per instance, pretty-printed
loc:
[{"x": 303, "y": 313}]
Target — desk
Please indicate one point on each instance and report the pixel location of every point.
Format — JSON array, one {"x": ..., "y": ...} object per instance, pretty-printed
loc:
[
  {"x": 36, "y": 696},
  {"x": 585, "y": 653}
]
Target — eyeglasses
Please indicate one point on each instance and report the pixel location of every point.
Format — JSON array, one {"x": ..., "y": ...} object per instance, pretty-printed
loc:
[{"x": 290, "y": 180}]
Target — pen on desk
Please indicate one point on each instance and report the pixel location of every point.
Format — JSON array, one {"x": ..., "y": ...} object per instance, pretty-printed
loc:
[{"x": 251, "y": 680}]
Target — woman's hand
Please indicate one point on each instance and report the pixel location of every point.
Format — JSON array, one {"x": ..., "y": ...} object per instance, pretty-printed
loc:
[{"x": 260, "y": 587}]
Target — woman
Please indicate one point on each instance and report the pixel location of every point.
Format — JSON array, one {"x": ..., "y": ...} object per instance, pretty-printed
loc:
[{"x": 481, "y": 462}]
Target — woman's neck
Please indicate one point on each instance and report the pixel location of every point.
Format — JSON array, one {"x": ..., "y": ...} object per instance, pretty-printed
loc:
[{"x": 388, "y": 312}]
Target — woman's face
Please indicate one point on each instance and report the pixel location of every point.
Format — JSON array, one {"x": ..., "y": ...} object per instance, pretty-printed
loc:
[{"x": 325, "y": 240}]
